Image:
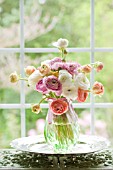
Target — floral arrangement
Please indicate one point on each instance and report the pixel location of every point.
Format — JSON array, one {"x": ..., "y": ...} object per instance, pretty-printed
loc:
[
  {"x": 58, "y": 79},
  {"x": 60, "y": 82}
]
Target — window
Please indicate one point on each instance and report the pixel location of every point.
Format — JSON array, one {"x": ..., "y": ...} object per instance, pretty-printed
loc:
[{"x": 25, "y": 39}]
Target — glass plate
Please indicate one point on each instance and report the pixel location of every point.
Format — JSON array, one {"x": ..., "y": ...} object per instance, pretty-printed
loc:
[{"x": 87, "y": 144}]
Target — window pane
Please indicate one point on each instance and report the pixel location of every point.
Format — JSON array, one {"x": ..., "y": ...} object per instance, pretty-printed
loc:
[
  {"x": 52, "y": 20},
  {"x": 9, "y": 126},
  {"x": 38, "y": 122},
  {"x": 9, "y": 23},
  {"x": 84, "y": 120},
  {"x": 105, "y": 76},
  {"x": 104, "y": 123},
  {"x": 103, "y": 23},
  {"x": 9, "y": 92}
]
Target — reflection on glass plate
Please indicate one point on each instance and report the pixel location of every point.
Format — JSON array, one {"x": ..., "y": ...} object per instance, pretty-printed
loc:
[{"x": 36, "y": 144}]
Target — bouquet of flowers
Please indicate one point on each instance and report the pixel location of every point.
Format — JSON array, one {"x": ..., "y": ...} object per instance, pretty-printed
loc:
[{"x": 61, "y": 82}]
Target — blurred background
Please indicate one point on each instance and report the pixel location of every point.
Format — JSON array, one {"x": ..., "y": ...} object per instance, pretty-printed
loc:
[{"x": 45, "y": 22}]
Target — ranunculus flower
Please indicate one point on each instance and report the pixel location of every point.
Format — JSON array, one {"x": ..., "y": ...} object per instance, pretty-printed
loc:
[
  {"x": 14, "y": 77},
  {"x": 55, "y": 60},
  {"x": 59, "y": 106},
  {"x": 44, "y": 69},
  {"x": 81, "y": 81},
  {"x": 69, "y": 91},
  {"x": 82, "y": 95},
  {"x": 65, "y": 77},
  {"x": 34, "y": 78},
  {"x": 99, "y": 66},
  {"x": 86, "y": 68},
  {"x": 58, "y": 66},
  {"x": 62, "y": 72},
  {"x": 61, "y": 43},
  {"x": 53, "y": 84},
  {"x": 98, "y": 88},
  {"x": 72, "y": 67},
  {"x": 29, "y": 70},
  {"x": 36, "y": 108},
  {"x": 40, "y": 87}
]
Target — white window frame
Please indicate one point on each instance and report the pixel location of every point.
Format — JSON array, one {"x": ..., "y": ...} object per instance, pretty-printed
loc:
[{"x": 22, "y": 105}]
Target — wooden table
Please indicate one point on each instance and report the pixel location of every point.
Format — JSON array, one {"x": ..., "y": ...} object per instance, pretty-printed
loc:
[{"x": 12, "y": 159}]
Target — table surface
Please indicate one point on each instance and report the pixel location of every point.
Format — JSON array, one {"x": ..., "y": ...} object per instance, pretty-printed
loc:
[{"x": 13, "y": 159}]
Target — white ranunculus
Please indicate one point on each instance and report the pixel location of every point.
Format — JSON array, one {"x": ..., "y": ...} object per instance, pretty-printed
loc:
[
  {"x": 70, "y": 92},
  {"x": 34, "y": 78},
  {"x": 62, "y": 72},
  {"x": 65, "y": 78},
  {"x": 61, "y": 43},
  {"x": 82, "y": 81}
]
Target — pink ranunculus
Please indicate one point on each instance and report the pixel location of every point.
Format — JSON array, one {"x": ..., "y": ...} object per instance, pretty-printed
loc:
[
  {"x": 72, "y": 67},
  {"x": 40, "y": 87},
  {"x": 98, "y": 88},
  {"x": 58, "y": 65},
  {"x": 82, "y": 95},
  {"x": 59, "y": 106},
  {"x": 53, "y": 84},
  {"x": 55, "y": 60}
]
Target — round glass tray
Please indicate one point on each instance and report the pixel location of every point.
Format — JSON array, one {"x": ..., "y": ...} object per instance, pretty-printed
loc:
[{"x": 36, "y": 144}]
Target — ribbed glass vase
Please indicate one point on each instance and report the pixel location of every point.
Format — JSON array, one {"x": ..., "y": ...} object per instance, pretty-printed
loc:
[{"x": 62, "y": 131}]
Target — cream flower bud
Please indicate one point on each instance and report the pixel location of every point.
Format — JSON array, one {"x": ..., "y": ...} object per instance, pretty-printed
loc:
[
  {"x": 34, "y": 78},
  {"x": 29, "y": 70},
  {"x": 61, "y": 43},
  {"x": 36, "y": 108},
  {"x": 14, "y": 77},
  {"x": 81, "y": 81}
]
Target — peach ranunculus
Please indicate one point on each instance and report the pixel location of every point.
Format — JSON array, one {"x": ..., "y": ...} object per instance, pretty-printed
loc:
[
  {"x": 44, "y": 69},
  {"x": 86, "y": 68},
  {"x": 59, "y": 106},
  {"x": 29, "y": 70},
  {"x": 99, "y": 66},
  {"x": 82, "y": 95},
  {"x": 98, "y": 88}
]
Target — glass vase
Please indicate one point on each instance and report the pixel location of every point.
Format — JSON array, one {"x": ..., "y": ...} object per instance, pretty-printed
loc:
[{"x": 61, "y": 132}]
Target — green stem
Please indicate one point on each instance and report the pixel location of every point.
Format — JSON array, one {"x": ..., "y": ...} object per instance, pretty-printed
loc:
[
  {"x": 62, "y": 50},
  {"x": 23, "y": 79},
  {"x": 42, "y": 100}
]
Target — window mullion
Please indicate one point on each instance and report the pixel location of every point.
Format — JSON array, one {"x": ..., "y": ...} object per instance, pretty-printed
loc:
[
  {"x": 22, "y": 88},
  {"x": 92, "y": 128}
]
